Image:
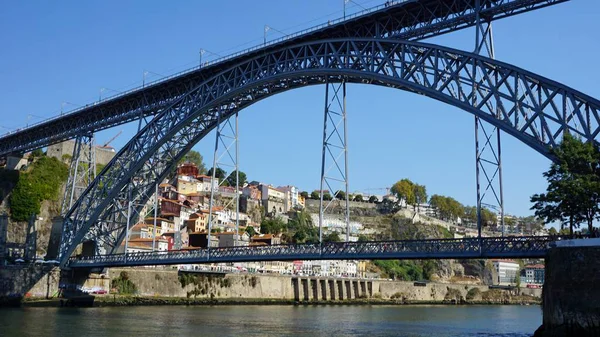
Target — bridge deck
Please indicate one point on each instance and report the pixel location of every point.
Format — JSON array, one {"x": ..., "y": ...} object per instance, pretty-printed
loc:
[
  {"x": 406, "y": 19},
  {"x": 471, "y": 248}
]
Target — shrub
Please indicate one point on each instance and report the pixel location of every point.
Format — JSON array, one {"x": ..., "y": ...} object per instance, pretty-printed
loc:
[
  {"x": 397, "y": 295},
  {"x": 123, "y": 284},
  {"x": 41, "y": 183}
]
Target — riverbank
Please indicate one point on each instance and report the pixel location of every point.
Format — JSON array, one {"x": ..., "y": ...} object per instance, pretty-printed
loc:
[{"x": 121, "y": 301}]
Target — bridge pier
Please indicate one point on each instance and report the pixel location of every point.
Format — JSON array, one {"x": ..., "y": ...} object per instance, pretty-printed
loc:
[{"x": 571, "y": 296}]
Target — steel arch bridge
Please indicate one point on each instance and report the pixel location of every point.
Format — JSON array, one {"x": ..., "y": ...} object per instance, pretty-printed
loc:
[
  {"x": 405, "y": 19},
  {"x": 534, "y": 109}
]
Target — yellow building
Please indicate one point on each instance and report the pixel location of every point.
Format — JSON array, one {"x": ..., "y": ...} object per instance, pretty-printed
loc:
[{"x": 187, "y": 187}]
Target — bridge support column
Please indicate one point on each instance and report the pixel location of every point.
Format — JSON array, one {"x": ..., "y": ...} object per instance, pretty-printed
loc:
[
  {"x": 334, "y": 156},
  {"x": 488, "y": 159},
  {"x": 228, "y": 159},
  {"x": 82, "y": 170}
]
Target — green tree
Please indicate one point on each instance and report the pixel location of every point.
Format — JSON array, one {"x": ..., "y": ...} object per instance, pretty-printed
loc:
[
  {"x": 341, "y": 195},
  {"x": 470, "y": 214},
  {"x": 219, "y": 173},
  {"x": 315, "y": 195},
  {"x": 488, "y": 217},
  {"x": 37, "y": 153},
  {"x": 327, "y": 196},
  {"x": 446, "y": 208},
  {"x": 194, "y": 157},
  {"x": 573, "y": 192},
  {"x": 272, "y": 226},
  {"x": 41, "y": 182},
  {"x": 373, "y": 199},
  {"x": 332, "y": 237},
  {"x": 405, "y": 190},
  {"x": 510, "y": 222},
  {"x": 552, "y": 231},
  {"x": 420, "y": 193},
  {"x": 358, "y": 198},
  {"x": 362, "y": 238},
  {"x": 231, "y": 179},
  {"x": 251, "y": 231},
  {"x": 304, "y": 194}
]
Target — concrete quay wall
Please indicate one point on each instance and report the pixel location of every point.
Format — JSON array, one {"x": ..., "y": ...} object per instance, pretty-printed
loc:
[
  {"x": 29, "y": 281},
  {"x": 170, "y": 283}
]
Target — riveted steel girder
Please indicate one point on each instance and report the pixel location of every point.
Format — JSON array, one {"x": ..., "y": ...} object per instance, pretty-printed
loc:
[
  {"x": 408, "y": 20},
  {"x": 537, "y": 116},
  {"x": 471, "y": 248}
]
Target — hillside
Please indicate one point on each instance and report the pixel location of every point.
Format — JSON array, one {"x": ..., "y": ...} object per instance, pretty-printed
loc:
[{"x": 36, "y": 190}]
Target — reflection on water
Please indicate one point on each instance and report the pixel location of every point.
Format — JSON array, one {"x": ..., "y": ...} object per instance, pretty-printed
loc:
[{"x": 412, "y": 321}]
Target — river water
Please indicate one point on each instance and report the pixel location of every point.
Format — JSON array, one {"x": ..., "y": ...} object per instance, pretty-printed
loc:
[{"x": 329, "y": 321}]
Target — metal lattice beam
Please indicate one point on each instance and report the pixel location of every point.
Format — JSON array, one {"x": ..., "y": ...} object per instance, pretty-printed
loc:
[
  {"x": 488, "y": 154},
  {"x": 471, "y": 248},
  {"x": 334, "y": 159},
  {"x": 82, "y": 170},
  {"x": 443, "y": 74},
  {"x": 407, "y": 20}
]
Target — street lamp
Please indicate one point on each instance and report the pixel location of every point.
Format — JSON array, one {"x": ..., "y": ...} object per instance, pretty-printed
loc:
[
  {"x": 32, "y": 115},
  {"x": 204, "y": 51},
  {"x": 106, "y": 89},
  {"x": 354, "y": 2},
  {"x": 146, "y": 72},
  {"x": 62, "y": 105},
  {"x": 268, "y": 28}
]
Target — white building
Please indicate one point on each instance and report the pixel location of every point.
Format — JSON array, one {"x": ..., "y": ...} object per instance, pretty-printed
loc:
[
  {"x": 291, "y": 196},
  {"x": 338, "y": 225},
  {"x": 205, "y": 182},
  {"x": 507, "y": 271}
]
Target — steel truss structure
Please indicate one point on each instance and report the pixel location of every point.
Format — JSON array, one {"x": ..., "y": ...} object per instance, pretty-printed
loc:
[
  {"x": 537, "y": 116},
  {"x": 407, "y": 20},
  {"x": 334, "y": 159},
  {"x": 472, "y": 248},
  {"x": 82, "y": 170},
  {"x": 488, "y": 156},
  {"x": 227, "y": 139}
]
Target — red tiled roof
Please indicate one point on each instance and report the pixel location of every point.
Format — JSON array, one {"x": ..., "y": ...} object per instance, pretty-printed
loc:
[
  {"x": 263, "y": 236},
  {"x": 535, "y": 266},
  {"x": 147, "y": 240},
  {"x": 157, "y": 219}
]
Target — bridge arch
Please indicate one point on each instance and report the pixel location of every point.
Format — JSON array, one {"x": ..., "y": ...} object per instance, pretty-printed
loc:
[{"x": 530, "y": 107}]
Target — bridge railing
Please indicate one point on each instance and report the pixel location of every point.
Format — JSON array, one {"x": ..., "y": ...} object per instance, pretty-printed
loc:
[{"x": 218, "y": 60}]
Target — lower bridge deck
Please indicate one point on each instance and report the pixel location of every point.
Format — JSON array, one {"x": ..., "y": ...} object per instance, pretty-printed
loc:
[{"x": 469, "y": 248}]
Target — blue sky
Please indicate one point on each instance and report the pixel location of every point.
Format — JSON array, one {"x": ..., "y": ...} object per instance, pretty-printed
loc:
[{"x": 54, "y": 52}]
